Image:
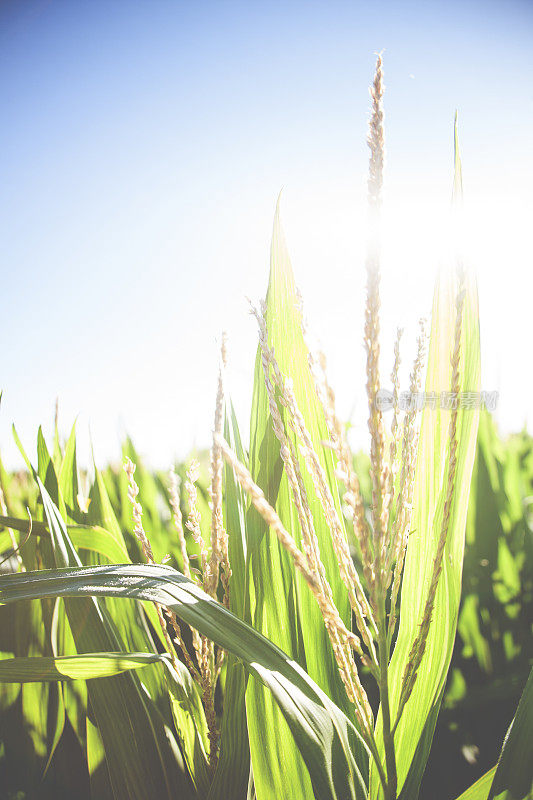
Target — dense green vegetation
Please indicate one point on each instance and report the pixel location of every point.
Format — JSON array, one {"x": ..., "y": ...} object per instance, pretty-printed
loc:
[
  {"x": 279, "y": 619},
  {"x": 51, "y": 743}
]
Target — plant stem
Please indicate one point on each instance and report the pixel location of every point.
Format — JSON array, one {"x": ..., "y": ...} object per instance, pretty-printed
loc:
[
  {"x": 388, "y": 737},
  {"x": 377, "y": 760}
]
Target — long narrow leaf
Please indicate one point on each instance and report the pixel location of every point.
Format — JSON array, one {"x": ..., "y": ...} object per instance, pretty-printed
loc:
[
  {"x": 88, "y": 537},
  {"x": 281, "y": 604},
  {"x": 90, "y": 665},
  {"x": 137, "y": 748},
  {"x": 415, "y": 731},
  {"x": 324, "y": 735},
  {"x": 232, "y": 775}
]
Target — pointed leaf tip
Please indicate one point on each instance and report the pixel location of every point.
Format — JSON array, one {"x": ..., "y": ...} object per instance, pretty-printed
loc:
[{"x": 281, "y": 277}]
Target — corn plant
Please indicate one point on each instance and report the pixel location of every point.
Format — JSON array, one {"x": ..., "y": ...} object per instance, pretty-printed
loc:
[{"x": 245, "y": 673}]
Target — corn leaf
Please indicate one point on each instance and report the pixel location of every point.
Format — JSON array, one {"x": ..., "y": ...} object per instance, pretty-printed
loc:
[
  {"x": 90, "y": 665},
  {"x": 191, "y": 726},
  {"x": 100, "y": 781},
  {"x": 281, "y": 605},
  {"x": 87, "y": 537},
  {"x": 137, "y": 748},
  {"x": 514, "y": 773},
  {"x": 480, "y": 789},
  {"x": 324, "y": 735},
  {"x": 233, "y": 770},
  {"x": 512, "y": 777},
  {"x": 74, "y": 691},
  {"x": 68, "y": 479},
  {"x": 129, "y": 618},
  {"x": 415, "y": 730},
  {"x": 42, "y": 707}
]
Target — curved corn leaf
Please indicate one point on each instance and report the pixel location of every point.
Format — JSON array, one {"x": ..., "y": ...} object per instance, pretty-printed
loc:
[
  {"x": 141, "y": 757},
  {"x": 324, "y": 735},
  {"x": 90, "y": 665},
  {"x": 88, "y": 537},
  {"x": 41, "y": 705},
  {"x": 130, "y": 618},
  {"x": 98, "y": 539}
]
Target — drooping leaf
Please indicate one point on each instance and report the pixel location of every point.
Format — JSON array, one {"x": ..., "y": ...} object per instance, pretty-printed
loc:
[
  {"x": 90, "y": 665},
  {"x": 87, "y": 537},
  {"x": 129, "y": 618},
  {"x": 139, "y": 758},
  {"x": 324, "y": 735}
]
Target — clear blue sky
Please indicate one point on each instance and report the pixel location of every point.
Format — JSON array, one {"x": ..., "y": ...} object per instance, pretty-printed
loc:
[{"x": 142, "y": 148}]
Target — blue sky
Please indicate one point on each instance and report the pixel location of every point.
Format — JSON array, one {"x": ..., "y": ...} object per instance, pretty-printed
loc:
[{"x": 142, "y": 149}]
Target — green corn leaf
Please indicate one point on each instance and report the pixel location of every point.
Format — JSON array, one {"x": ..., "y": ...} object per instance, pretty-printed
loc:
[
  {"x": 514, "y": 773},
  {"x": 42, "y": 712},
  {"x": 137, "y": 747},
  {"x": 47, "y": 474},
  {"x": 233, "y": 770},
  {"x": 42, "y": 706},
  {"x": 129, "y": 618},
  {"x": 480, "y": 789},
  {"x": 87, "y": 537},
  {"x": 101, "y": 510},
  {"x": 68, "y": 480},
  {"x": 100, "y": 781},
  {"x": 281, "y": 605},
  {"x": 512, "y": 777},
  {"x": 191, "y": 725},
  {"x": 74, "y": 691},
  {"x": 470, "y": 632},
  {"x": 8, "y": 693},
  {"x": 100, "y": 540},
  {"x": 235, "y": 517},
  {"x": 149, "y": 498},
  {"x": 414, "y": 733},
  {"x": 324, "y": 735},
  {"x": 89, "y": 665},
  {"x": 415, "y": 730}
]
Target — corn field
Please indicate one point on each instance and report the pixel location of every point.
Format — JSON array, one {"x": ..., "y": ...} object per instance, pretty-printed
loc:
[{"x": 283, "y": 618}]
